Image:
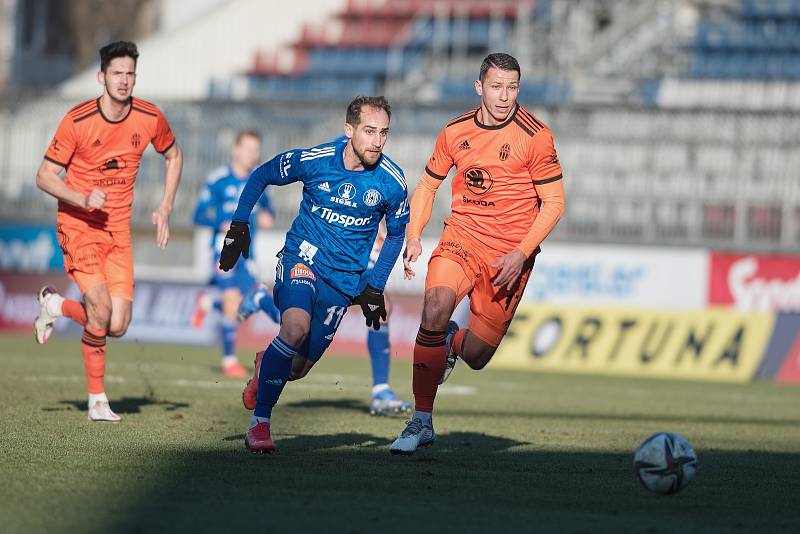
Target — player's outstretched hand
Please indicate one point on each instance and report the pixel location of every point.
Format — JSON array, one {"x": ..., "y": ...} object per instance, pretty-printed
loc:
[
  {"x": 237, "y": 243},
  {"x": 412, "y": 252},
  {"x": 373, "y": 306},
  {"x": 510, "y": 267},
  {"x": 161, "y": 220}
]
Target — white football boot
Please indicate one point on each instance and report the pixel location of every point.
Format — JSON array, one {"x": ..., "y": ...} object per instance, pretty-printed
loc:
[
  {"x": 43, "y": 324},
  {"x": 101, "y": 411},
  {"x": 451, "y": 357},
  {"x": 387, "y": 402},
  {"x": 415, "y": 435}
]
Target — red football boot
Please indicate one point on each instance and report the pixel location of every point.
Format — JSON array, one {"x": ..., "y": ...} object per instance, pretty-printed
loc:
[
  {"x": 251, "y": 389},
  {"x": 259, "y": 440}
]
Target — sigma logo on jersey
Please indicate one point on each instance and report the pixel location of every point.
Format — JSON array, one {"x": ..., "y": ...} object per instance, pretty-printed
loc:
[
  {"x": 478, "y": 180},
  {"x": 301, "y": 271},
  {"x": 346, "y": 192},
  {"x": 372, "y": 197},
  {"x": 337, "y": 218}
]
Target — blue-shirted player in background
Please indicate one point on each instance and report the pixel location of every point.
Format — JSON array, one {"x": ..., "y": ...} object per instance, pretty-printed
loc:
[
  {"x": 215, "y": 208},
  {"x": 347, "y": 189},
  {"x": 383, "y": 399}
]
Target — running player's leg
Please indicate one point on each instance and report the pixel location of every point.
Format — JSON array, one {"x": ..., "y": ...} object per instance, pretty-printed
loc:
[
  {"x": 98, "y": 304},
  {"x": 259, "y": 298},
  {"x": 446, "y": 284},
  {"x": 296, "y": 295},
  {"x": 383, "y": 400},
  {"x": 228, "y": 326},
  {"x": 233, "y": 284},
  {"x": 52, "y": 305},
  {"x": 491, "y": 312}
]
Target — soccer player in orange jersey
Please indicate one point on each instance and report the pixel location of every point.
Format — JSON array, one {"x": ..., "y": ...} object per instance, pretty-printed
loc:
[
  {"x": 99, "y": 144},
  {"x": 507, "y": 197}
]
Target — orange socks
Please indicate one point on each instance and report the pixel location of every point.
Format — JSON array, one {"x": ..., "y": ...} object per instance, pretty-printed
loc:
[
  {"x": 457, "y": 343},
  {"x": 429, "y": 364},
  {"x": 93, "y": 346},
  {"x": 75, "y": 311}
]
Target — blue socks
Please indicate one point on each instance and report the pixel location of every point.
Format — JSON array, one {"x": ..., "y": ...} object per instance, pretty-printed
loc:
[
  {"x": 267, "y": 305},
  {"x": 378, "y": 345},
  {"x": 275, "y": 371},
  {"x": 227, "y": 336}
]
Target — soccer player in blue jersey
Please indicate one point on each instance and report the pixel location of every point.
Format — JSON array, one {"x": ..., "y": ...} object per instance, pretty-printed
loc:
[
  {"x": 347, "y": 189},
  {"x": 383, "y": 399},
  {"x": 215, "y": 208}
]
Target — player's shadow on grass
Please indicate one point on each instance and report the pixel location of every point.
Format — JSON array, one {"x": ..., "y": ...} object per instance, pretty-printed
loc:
[
  {"x": 467, "y": 482},
  {"x": 125, "y": 405},
  {"x": 338, "y": 404},
  {"x": 466, "y": 442},
  {"x": 645, "y": 418}
]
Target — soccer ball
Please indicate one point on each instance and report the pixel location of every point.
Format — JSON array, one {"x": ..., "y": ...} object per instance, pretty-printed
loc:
[{"x": 665, "y": 462}]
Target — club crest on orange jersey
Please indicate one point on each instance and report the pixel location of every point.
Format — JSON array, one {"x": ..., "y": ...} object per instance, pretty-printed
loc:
[
  {"x": 505, "y": 150},
  {"x": 478, "y": 180},
  {"x": 136, "y": 140},
  {"x": 301, "y": 271}
]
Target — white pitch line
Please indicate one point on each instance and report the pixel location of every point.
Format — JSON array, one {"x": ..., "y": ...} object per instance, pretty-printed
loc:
[{"x": 69, "y": 378}]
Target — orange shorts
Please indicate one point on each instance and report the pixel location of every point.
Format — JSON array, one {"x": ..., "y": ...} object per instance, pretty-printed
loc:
[
  {"x": 464, "y": 265},
  {"x": 94, "y": 257}
]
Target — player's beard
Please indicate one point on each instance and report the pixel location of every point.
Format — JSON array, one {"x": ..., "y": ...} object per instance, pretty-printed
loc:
[
  {"x": 364, "y": 157},
  {"x": 115, "y": 98}
]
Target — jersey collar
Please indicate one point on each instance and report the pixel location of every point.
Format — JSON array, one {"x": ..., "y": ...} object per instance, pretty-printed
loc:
[
  {"x": 503, "y": 124},
  {"x": 100, "y": 109}
]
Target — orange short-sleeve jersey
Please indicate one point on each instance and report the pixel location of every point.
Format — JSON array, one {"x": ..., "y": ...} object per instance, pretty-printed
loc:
[
  {"x": 497, "y": 171},
  {"x": 102, "y": 154}
]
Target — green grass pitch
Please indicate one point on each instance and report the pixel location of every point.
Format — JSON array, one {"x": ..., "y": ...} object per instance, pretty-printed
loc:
[{"x": 515, "y": 451}]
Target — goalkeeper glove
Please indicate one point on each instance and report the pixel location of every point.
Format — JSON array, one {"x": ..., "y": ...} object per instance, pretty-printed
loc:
[
  {"x": 373, "y": 306},
  {"x": 237, "y": 242}
]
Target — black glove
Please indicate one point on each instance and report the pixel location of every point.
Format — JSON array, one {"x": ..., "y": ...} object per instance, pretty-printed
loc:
[
  {"x": 373, "y": 306},
  {"x": 237, "y": 242}
]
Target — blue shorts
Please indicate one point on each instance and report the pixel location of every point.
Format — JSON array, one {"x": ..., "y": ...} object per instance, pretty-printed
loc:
[
  {"x": 241, "y": 277},
  {"x": 298, "y": 286}
]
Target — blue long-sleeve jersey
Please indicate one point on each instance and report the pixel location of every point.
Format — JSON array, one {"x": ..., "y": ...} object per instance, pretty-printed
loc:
[
  {"x": 340, "y": 212},
  {"x": 218, "y": 200}
]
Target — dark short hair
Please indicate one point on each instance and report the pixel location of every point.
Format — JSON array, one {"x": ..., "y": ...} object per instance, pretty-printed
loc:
[
  {"x": 353, "y": 117},
  {"x": 115, "y": 50},
  {"x": 500, "y": 61},
  {"x": 248, "y": 133}
]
